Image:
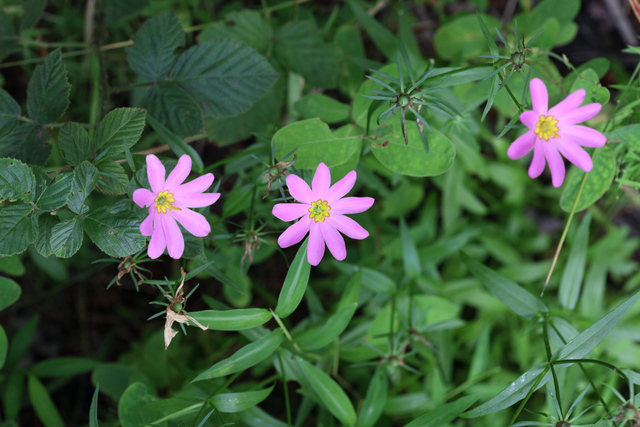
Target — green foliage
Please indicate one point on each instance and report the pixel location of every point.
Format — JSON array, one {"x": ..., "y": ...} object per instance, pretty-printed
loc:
[
  {"x": 593, "y": 184},
  {"x": 17, "y": 181},
  {"x": 48, "y": 93},
  {"x": 295, "y": 283},
  {"x": 117, "y": 235}
]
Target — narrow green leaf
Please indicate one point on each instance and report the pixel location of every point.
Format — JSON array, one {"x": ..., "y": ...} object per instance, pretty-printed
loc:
[
  {"x": 375, "y": 399},
  {"x": 4, "y": 345},
  {"x": 495, "y": 86},
  {"x": 248, "y": 356},
  {"x": 377, "y": 282},
  {"x": 74, "y": 142},
  {"x": 117, "y": 235},
  {"x": 491, "y": 42},
  {"x": 93, "y": 410},
  {"x": 330, "y": 393},
  {"x": 66, "y": 237},
  {"x": 238, "y": 402},
  {"x": 231, "y": 320},
  {"x": 380, "y": 35},
  {"x": 42, "y": 403},
  {"x": 62, "y": 367},
  {"x": 518, "y": 299},
  {"x": 330, "y": 330},
  {"x": 351, "y": 293},
  {"x": 48, "y": 91},
  {"x": 571, "y": 281},
  {"x": 119, "y": 124},
  {"x": 85, "y": 178},
  {"x": 17, "y": 181},
  {"x": 597, "y": 183},
  {"x": 410, "y": 258},
  {"x": 9, "y": 112},
  {"x": 13, "y": 394},
  {"x": 18, "y": 228},
  {"x": 55, "y": 195},
  {"x": 294, "y": 284},
  {"x": 177, "y": 144},
  {"x": 21, "y": 340},
  {"x": 9, "y": 292},
  {"x": 445, "y": 414}
]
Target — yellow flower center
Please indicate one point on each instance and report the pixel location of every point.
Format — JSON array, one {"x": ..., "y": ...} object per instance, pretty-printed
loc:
[
  {"x": 319, "y": 210},
  {"x": 546, "y": 128},
  {"x": 163, "y": 202}
]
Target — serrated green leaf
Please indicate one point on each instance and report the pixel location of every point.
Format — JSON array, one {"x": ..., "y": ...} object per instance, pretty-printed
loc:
[
  {"x": 32, "y": 12},
  {"x": 45, "y": 229},
  {"x": 246, "y": 25},
  {"x": 121, "y": 124},
  {"x": 74, "y": 142},
  {"x": 9, "y": 292},
  {"x": 66, "y": 237},
  {"x": 571, "y": 281},
  {"x": 9, "y": 112},
  {"x": 597, "y": 183},
  {"x": 238, "y": 402},
  {"x": 112, "y": 178},
  {"x": 518, "y": 299},
  {"x": 443, "y": 415},
  {"x": 85, "y": 178},
  {"x": 375, "y": 399},
  {"x": 55, "y": 195},
  {"x": 295, "y": 283},
  {"x": 17, "y": 181},
  {"x": 330, "y": 393},
  {"x": 589, "y": 81},
  {"x": 117, "y": 235},
  {"x": 177, "y": 144},
  {"x": 151, "y": 55},
  {"x": 48, "y": 91},
  {"x": 4, "y": 345},
  {"x": 248, "y": 356},
  {"x": 93, "y": 410},
  {"x": 226, "y": 77},
  {"x": 330, "y": 330},
  {"x": 61, "y": 367},
  {"x": 18, "y": 228},
  {"x": 323, "y": 107},
  {"x": 175, "y": 108},
  {"x": 231, "y": 320},
  {"x": 43, "y": 405},
  {"x": 27, "y": 142}
]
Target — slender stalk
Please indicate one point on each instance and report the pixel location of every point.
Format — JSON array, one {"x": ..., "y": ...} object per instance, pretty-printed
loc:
[
  {"x": 547, "y": 348},
  {"x": 287, "y": 404},
  {"x": 527, "y": 397}
]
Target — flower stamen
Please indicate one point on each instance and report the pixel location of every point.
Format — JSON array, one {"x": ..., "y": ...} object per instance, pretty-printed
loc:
[
  {"x": 164, "y": 202},
  {"x": 546, "y": 128},
  {"x": 319, "y": 210}
]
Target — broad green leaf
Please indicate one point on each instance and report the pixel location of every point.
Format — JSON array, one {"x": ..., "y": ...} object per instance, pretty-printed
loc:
[
  {"x": 93, "y": 410},
  {"x": 115, "y": 378},
  {"x": 12, "y": 265},
  {"x": 226, "y": 77},
  {"x": 177, "y": 144},
  {"x": 55, "y": 195},
  {"x": 330, "y": 330},
  {"x": 627, "y": 135},
  {"x": 119, "y": 126},
  {"x": 323, "y": 107},
  {"x": 329, "y": 393},
  {"x": 17, "y": 181},
  {"x": 42, "y": 181},
  {"x": 410, "y": 258},
  {"x": 74, "y": 142},
  {"x": 589, "y": 81},
  {"x": 28, "y": 142},
  {"x": 246, "y": 25},
  {"x": 9, "y": 292},
  {"x": 151, "y": 55},
  {"x": 347, "y": 40},
  {"x": 238, "y": 402},
  {"x": 66, "y": 237},
  {"x": 48, "y": 91},
  {"x": 43, "y": 405},
  {"x": 300, "y": 47},
  {"x": 32, "y": 12},
  {"x": 443, "y": 415},
  {"x": 380, "y": 35},
  {"x": 581, "y": 345},
  {"x": 257, "y": 417},
  {"x": 61, "y": 367},
  {"x": 18, "y": 228},
  {"x": 295, "y": 283},
  {"x": 85, "y": 178},
  {"x": 9, "y": 112},
  {"x": 231, "y": 320},
  {"x": 4, "y": 344},
  {"x": 175, "y": 108},
  {"x": 45, "y": 229},
  {"x": 462, "y": 37},
  {"x": 112, "y": 179},
  {"x": 248, "y": 356},
  {"x": 129, "y": 414},
  {"x": 117, "y": 235},
  {"x": 571, "y": 281},
  {"x": 597, "y": 183},
  {"x": 315, "y": 143},
  {"x": 518, "y": 299},
  {"x": 515, "y": 392},
  {"x": 375, "y": 399}
]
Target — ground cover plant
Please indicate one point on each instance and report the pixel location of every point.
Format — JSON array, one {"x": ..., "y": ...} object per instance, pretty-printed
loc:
[{"x": 298, "y": 213}]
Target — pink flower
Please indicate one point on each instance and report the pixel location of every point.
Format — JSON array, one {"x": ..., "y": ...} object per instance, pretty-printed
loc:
[
  {"x": 553, "y": 131},
  {"x": 321, "y": 213},
  {"x": 169, "y": 201}
]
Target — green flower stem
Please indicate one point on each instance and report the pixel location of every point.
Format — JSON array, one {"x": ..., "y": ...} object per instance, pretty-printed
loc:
[
  {"x": 528, "y": 396},
  {"x": 547, "y": 348},
  {"x": 286, "y": 332}
]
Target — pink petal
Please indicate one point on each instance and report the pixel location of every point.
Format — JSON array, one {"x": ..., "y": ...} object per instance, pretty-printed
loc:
[
  {"x": 342, "y": 187},
  {"x": 315, "y": 249},
  {"x": 584, "y": 136},
  {"x": 571, "y": 102},
  {"x": 143, "y": 197},
  {"x": 579, "y": 115},
  {"x": 348, "y": 227},
  {"x": 334, "y": 240},
  {"x": 290, "y": 211},
  {"x": 556, "y": 164},
  {"x": 539, "y": 96},
  {"x": 179, "y": 173},
  {"x": 175, "y": 241},
  {"x": 195, "y": 200},
  {"x": 574, "y": 153},
  {"x": 522, "y": 145},
  {"x": 351, "y": 205},
  {"x": 321, "y": 181},
  {"x": 156, "y": 173},
  {"x": 146, "y": 227},
  {"x": 158, "y": 241},
  {"x": 300, "y": 190},
  {"x": 193, "y": 222},
  {"x": 294, "y": 233},
  {"x": 198, "y": 185},
  {"x": 537, "y": 164},
  {"x": 530, "y": 119}
]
